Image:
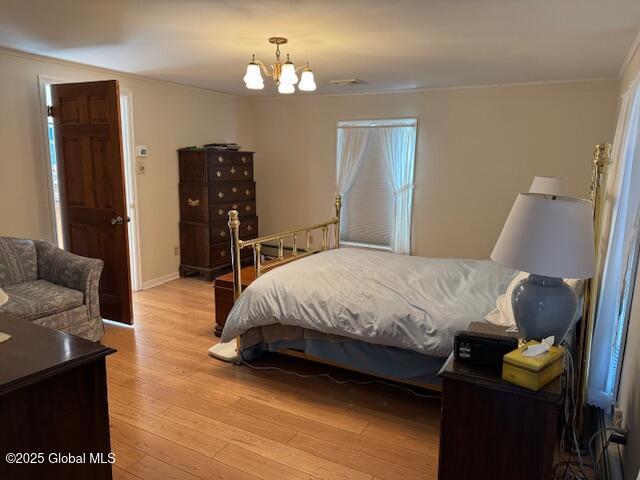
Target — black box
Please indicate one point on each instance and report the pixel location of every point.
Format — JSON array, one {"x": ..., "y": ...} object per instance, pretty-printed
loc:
[{"x": 483, "y": 349}]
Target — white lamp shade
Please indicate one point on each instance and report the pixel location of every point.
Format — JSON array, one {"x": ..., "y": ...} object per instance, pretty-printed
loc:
[
  {"x": 549, "y": 236},
  {"x": 286, "y": 88},
  {"x": 253, "y": 78},
  {"x": 549, "y": 185},
  {"x": 307, "y": 82},
  {"x": 288, "y": 74}
]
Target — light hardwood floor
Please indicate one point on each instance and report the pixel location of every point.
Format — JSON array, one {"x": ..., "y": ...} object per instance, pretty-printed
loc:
[{"x": 178, "y": 414}]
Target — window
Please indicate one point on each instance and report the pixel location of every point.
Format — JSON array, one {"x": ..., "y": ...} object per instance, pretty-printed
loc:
[
  {"x": 621, "y": 260},
  {"x": 54, "y": 168},
  {"x": 367, "y": 211},
  {"x": 375, "y": 163}
]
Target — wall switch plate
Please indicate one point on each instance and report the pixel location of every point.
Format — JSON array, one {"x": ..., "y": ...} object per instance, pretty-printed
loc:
[
  {"x": 141, "y": 167},
  {"x": 141, "y": 151},
  {"x": 176, "y": 251}
]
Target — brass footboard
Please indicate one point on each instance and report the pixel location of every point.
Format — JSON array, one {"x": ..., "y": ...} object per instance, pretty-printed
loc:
[{"x": 237, "y": 245}]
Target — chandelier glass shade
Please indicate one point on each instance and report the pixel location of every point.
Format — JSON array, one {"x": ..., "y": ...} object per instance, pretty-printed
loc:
[
  {"x": 307, "y": 82},
  {"x": 285, "y": 75},
  {"x": 253, "y": 79}
]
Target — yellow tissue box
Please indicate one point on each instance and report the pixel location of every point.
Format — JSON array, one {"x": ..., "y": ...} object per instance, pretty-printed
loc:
[{"x": 533, "y": 372}]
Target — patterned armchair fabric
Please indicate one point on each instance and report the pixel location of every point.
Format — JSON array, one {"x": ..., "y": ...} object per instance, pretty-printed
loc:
[
  {"x": 18, "y": 261},
  {"x": 51, "y": 287}
]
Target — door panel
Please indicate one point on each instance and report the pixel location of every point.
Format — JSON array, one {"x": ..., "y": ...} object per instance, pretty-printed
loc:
[{"x": 92, "y": 194}]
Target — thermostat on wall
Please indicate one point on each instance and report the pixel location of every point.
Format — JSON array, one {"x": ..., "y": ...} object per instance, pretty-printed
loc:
[{"x": 141, "y": 150}]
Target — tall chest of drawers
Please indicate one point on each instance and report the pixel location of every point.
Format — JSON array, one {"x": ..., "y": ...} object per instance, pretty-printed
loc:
[{"x": 212, "y": 182}]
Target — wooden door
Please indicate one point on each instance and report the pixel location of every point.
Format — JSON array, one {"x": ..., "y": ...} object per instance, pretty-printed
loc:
[{"x": 86, "y": 121}]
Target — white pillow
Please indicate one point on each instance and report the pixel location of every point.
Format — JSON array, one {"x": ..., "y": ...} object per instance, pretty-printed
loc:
[{"x": 503, "y": 313}]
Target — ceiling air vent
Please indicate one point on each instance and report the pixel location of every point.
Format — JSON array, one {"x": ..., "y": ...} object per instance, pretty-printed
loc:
[{"x": 347, "y": 81}]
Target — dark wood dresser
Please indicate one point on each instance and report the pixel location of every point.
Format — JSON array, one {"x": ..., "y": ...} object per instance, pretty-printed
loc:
[
  {"x": 492, "y": 429},
  {"x": 212, "y": 182},
  {"x": 53, "y": 405}
]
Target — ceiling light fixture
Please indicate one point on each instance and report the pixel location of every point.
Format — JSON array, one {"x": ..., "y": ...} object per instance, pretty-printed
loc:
[{"x": 284, "y": 74}]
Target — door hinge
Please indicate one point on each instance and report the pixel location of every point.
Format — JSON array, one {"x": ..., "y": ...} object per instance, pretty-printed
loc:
[{"x": 50, "y": 111}]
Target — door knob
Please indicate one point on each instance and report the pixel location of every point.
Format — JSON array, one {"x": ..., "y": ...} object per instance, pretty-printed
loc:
[{"x": 118, "y": 220}]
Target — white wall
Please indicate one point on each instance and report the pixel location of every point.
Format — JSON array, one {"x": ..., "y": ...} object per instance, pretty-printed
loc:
[
  {"x": 166, "y": 117},
  {"x": 629, "y": 395},
  {"x": 476, "y": 149}
]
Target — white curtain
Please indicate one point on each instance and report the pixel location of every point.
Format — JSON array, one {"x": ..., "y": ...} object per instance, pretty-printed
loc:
[
  {"x": 622, "y": 207},
  {"x": 351, "y": 144},
  {"x": 398, "y": 146}
]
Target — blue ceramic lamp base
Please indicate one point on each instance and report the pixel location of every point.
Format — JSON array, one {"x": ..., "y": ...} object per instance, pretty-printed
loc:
[{"x": 544, "y": 306}]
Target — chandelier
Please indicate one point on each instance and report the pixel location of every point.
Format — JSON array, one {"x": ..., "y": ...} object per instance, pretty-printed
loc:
[{"x": 284, "y": 74}]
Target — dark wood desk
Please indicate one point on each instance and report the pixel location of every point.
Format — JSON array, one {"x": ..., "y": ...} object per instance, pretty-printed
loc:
[
  {"x": 53, "y": 401},
  {"x": 492, "y": 429}
]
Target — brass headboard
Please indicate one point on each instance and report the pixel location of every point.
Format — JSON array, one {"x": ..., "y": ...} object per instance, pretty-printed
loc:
[
  {"x": 237, "y": 245},
  {"x": 601, "y": 162}
]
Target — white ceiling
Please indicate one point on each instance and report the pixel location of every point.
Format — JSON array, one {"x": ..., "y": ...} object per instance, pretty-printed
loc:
[{"x": 391, "y": 44}]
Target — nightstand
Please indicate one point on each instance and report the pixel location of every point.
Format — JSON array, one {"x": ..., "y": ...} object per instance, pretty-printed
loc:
[
  {"x": 223, "y": 295},
  {"x": 493, "y": 429}
]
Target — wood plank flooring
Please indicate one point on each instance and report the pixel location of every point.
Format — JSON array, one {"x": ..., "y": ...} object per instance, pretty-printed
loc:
[{"x": 178, "y": 414}]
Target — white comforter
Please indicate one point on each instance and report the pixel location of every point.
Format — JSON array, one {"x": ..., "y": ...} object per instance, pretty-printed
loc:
[{"x": 414, "y": 303}]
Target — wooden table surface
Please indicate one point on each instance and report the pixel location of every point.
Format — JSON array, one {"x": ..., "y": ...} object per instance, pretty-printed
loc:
[{"x": 34, "y": 352}]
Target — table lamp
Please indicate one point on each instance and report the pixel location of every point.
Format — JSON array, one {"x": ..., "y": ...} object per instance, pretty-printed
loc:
[
  {"x": 549, "y": 185},
  {"x": 551, "y": 238}
]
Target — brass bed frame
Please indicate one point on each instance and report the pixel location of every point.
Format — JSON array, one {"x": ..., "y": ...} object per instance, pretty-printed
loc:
[{"x": 601, "y": 161}]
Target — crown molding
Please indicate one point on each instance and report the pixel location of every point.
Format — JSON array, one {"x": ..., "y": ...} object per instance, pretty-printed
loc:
[
  {"x": 632, "y": 51},
  {"x": 431, "y": 89},
  {"x": 84, "y": 66}
]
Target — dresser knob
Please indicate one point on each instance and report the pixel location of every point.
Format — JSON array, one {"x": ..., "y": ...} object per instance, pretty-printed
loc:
[
  {"x": 223, "y": 233},
  {"x": 193, "y": 203},
  {"x": 218, "y": 174},
  {"x": 220, "y": 212},
  {"x": 223, "y": 253},
  {"x": 234, "y": 189},
  {"x": 233, "y": 170},
  {"x": 220, "y": 159},
  {"x": 247, "y": 192},
  {"x": 235, "y": 206},
  {"x": 244, "y": 159},
  {"x": 248, "y": 208},
  {"x": 246, "y": 173},
  {"x": 249, "y": 228},
  {"x": 220, "y": 195}
]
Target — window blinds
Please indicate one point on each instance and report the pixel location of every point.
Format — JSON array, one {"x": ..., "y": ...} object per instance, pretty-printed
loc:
[{"x": 367, "y": 212}]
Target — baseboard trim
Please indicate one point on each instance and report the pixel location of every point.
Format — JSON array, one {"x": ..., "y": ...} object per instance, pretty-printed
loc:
[{"x": 160, "y": 280}]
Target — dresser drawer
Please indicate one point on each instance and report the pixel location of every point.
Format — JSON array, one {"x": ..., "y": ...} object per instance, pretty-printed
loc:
[
  {"x": 230, "y": 172},
  {"x": 194, "y": 202},
  {"x": 248, "y": 230},
  {"x": 194, "y": 244},
  {"x": 221, "y": 254},
  {"x": 242, "y": 158},
  {"x": 219, "y": 158},
  {"x": 220, "y": 211},
  {"x": 192, "y": 166},
  {"x": 222, "y": 157},
  {"x": 232, "y": 191}
]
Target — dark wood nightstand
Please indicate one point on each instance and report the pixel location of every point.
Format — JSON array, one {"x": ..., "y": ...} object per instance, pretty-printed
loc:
[
  {"x": 493, "y": 429},
  {"x": 223, "y": 294}
]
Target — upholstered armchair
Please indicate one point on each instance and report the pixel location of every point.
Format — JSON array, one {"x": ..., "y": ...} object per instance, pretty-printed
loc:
[{"x": 51, "y": 287}]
